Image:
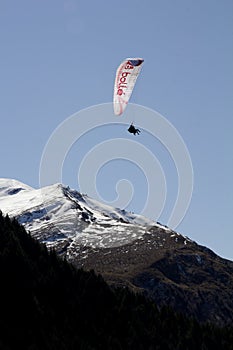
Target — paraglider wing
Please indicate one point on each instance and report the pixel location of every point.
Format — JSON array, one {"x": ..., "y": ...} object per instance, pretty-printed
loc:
[{"x": 126, "y": 77}]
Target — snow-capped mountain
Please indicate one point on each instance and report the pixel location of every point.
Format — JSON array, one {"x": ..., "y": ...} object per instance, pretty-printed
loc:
[
  {"x": 126, "y": 249},
  {"x": 65, "y": 219}
]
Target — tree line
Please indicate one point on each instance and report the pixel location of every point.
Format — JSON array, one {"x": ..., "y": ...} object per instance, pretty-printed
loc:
[{"x": 46, "y": 303}]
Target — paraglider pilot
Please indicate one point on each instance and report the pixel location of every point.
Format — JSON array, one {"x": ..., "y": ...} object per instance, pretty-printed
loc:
[{"x": 133, "y": 130}]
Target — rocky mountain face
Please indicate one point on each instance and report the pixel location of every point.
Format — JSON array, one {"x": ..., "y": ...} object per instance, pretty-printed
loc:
[
  {"x": 171, "y": 270},
  {"x": 127, "y": 249}
]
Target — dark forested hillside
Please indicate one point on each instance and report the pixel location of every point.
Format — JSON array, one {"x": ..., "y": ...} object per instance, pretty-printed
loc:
[{"x": 45, "y": 303}]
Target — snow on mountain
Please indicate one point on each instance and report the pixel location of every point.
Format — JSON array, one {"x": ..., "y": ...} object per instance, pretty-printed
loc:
[
  {"x": 10, "y": 187},
  {"x": 65, "y": 219}
]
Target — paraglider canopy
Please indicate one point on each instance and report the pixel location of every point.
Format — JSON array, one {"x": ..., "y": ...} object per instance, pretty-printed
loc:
[{"x": 125, "y": 80}]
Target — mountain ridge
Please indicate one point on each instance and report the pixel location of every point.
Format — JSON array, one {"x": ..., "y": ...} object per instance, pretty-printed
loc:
[
  {"x": 126, "y": 249},
  {"x": 70, "y": 215}
]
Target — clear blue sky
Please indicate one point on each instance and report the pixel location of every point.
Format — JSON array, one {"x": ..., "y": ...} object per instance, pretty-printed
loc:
[{"x": 58, "y": 57}]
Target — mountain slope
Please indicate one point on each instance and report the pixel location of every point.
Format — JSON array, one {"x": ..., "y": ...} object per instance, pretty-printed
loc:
[
  {"x": 175, "y": 272},
  {"x": 127, "y": 249},
  {"x": 47, "y": 304}
]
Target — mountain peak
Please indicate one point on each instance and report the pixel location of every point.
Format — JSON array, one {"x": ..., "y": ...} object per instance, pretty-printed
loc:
[
  {"x": 60, "y": 216},
  {"x": 12, "y": 186}
]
